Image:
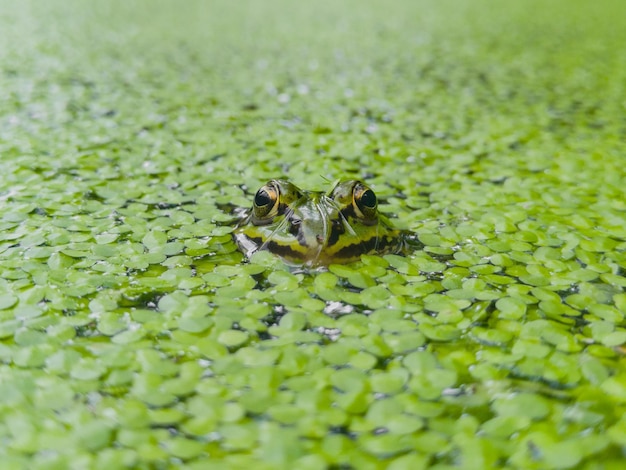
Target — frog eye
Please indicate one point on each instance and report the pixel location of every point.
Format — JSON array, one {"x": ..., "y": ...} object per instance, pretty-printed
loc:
[
  {"x": 266, "y": 201},
  {"x": 368, "y": 199},
  {"x": 262, "y": 198},
  {"x": 365, "y": 201}
]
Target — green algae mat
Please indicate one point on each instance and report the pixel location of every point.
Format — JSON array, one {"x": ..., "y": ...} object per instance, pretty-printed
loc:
[{"x": 133, "y": 334}]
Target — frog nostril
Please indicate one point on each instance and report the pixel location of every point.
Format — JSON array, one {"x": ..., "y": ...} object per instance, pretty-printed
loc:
[{"x": 294, "y": 226}]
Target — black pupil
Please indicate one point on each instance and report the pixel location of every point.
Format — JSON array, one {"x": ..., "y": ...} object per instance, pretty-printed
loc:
[
  {"x": 262, "y": 198},
  {"x": 368, "y": 199}
]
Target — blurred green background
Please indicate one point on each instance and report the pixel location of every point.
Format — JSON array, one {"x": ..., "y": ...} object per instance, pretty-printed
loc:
[{"x": 134, "y": 335}]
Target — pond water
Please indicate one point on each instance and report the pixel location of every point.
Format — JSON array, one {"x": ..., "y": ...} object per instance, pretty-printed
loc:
[{"x": 134, "y": 334}]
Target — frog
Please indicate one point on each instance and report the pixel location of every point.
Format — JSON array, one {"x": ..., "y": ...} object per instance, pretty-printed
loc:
[{"x": 316, "y": 228}]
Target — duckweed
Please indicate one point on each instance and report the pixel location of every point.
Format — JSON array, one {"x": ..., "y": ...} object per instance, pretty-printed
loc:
[{"x": 133, "y": 334}]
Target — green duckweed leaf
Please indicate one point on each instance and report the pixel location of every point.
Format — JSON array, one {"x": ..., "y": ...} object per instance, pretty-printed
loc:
[
  {"x": 529, "y": 405},
  {"x": 511, "y": 308},
  {"x": 232, "y": 338}
]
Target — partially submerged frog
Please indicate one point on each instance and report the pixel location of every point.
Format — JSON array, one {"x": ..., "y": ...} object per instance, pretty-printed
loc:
[{"x": 317, "y": 228}]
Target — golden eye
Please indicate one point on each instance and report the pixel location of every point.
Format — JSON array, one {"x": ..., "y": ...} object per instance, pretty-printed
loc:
[
  {"x": 365, "y": 201},
  {"x": 265, "y": 201}
]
